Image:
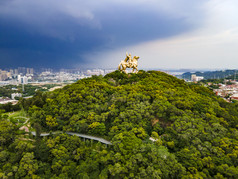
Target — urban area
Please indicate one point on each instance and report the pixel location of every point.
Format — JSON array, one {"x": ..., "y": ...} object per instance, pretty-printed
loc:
[{"x": 24, "y": 82}]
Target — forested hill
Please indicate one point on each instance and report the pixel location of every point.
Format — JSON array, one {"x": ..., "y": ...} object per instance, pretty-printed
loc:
[
  {"x": 222, "y": 74},
  {"x": 194, "y": 132}
]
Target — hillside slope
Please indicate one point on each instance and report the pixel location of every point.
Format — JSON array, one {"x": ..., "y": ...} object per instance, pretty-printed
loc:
[{"x": 195, "y": 132}]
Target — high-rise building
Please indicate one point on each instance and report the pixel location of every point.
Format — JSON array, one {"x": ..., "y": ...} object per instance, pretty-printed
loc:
[
  {"x": 22, "y": 79},
  {"x": 28, "y": 71},
  {"x": 31, "y": 71},
  {"x": 3, "y": 75},
  {"x": 9, "y": 74},
  {"x": 22, "y": 70},
  {"x": 16, "y": 71}
]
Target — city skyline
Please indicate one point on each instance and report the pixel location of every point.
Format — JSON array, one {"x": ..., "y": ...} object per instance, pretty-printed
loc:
[{"x": 79, "y": 34}]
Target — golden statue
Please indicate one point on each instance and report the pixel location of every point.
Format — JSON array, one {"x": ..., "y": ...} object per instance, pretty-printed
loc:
[{"x": 129, "y": 63}]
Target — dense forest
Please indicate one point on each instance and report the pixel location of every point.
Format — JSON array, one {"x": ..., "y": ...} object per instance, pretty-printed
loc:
[
  {"x": 29, "y": 90},
  {"x": 159, "y": 126}
]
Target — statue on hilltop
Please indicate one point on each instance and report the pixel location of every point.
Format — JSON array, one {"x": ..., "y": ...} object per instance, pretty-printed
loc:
[{"x": 129, "y": 63}]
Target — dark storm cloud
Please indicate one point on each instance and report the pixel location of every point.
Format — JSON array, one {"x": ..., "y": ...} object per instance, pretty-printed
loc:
[
  {"x": 39, "y": 34},
  {"x": 21, "y": 45},
  {"x": 129, "y": 27}
]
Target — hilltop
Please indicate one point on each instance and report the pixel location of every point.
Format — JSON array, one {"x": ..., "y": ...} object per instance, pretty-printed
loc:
[{"x": 160, "y": 127}]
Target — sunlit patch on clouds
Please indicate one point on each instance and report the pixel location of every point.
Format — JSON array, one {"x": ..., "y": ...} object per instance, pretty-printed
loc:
[{"x": 213, "y": 44}]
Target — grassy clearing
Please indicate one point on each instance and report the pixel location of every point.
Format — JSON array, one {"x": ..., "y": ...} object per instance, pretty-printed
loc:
[
  {"x": 20, "y": 113},
  {"x": 18, "y": 117}
]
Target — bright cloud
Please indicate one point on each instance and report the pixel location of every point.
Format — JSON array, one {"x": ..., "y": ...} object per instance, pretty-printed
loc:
[{"x": 211, "y": 45}]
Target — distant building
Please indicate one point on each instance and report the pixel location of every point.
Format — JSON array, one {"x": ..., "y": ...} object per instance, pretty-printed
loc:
[
  {"x": 16, "y": 71},
  {"x": 13, "y": 82},
  {"x": 3, "y": 75},
  {"x": 29, "y": 71},
  {"x": 22, "y": 70},
  {"x": 13, "y": 95},
  {"x": 95, "y": 72},
  {"x": 235, "y": 96},
  {"x": 4, "y": 83},
  {"x": 22, "y": 79},
  {"x": 6, "y": 100},
  {"x": 12, "y": 71},
  {"x": 196, "y": 78}
]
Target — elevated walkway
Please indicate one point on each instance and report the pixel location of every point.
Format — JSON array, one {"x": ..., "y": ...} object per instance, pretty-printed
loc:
[{"x": 104, "y": 141}]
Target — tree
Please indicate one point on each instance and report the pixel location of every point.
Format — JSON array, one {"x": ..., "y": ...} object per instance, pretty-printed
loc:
[
  {"x": 38, "y": 129},
  {"x": 7, "y": 132},
  {"x": 51, "y": 121},
  {"x": 28, "y": 166},
  {"x": 97, "y": 128}
]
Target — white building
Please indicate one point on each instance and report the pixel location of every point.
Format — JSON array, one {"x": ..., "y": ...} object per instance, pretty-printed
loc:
[
  {"x": 6, "y": 100},
  {"x": 13, "y": 95},
  {"x": 22, "y": 79},
  {"x": 196, "y": 78}
]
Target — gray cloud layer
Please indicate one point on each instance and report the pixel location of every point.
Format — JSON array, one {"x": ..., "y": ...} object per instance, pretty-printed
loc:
[{"x": 59, "y": 33}]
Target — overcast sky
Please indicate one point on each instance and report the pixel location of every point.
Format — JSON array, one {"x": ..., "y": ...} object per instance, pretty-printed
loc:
[{"x": 78, "y": 33}]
